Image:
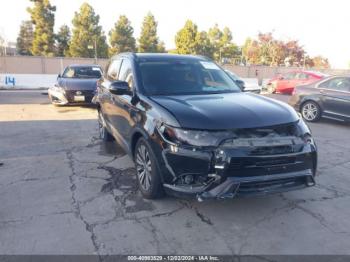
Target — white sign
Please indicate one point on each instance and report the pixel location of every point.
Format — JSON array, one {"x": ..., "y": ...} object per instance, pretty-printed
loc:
[{"x": 27, "y": 80}]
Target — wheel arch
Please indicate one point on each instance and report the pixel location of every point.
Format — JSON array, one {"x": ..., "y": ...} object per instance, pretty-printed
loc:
[
  {"x": 136, "y": 135},
  {"x": 310, "y": 99}
]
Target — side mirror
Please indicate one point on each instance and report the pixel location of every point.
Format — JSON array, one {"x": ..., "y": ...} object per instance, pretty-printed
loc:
[
  {"x": 240, "y": 84},
  {"x": 58, "y": 76},
  {"x": 119, "y": 88}
]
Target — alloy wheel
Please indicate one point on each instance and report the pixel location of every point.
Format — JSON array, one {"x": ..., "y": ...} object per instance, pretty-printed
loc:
[
  {"x": 310, "y": 111},
  {"x": 143, "y": 167}
]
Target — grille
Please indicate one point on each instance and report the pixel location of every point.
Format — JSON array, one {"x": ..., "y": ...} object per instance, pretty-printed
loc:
[{"x": 269, "y": 150}]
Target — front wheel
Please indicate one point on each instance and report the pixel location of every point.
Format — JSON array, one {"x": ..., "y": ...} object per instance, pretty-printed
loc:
[
  {"x": 147, "y": 171},
  {"x": 311, "y": 111}
]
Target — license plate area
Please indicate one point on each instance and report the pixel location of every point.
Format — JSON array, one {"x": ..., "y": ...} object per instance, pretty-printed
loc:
[{"x": 79, "y": 98}]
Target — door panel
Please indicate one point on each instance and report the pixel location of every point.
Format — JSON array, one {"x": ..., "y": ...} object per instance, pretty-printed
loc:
[
  {"x": 336, "y": 97},
  {"x": 122, "y": 104},
  {"x": 287, "y": 83},
  {"x": 111, "y": 75}
]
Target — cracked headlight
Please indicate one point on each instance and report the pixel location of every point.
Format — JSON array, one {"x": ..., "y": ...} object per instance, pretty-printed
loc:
[
  {"x": 192, "y": 137},
  {"x": 57, "y": 88}
]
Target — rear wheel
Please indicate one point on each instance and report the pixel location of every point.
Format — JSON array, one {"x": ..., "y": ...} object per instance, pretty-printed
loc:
[
  {"x": 311, "y": 111},
  {"x": 103, "y": 132},
  {"x": 147, "y": 171}
]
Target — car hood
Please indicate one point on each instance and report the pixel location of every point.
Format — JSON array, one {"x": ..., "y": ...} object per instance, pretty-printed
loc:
[
  {"x": 78, "y": 84},
  {"x": 227, "y": 111}
]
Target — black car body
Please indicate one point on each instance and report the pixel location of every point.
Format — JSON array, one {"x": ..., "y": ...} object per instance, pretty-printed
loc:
[
  {"x": 329, "y": 98},
  {"x": 191, "y": 131},
  {"x": 77, "y": 84}
]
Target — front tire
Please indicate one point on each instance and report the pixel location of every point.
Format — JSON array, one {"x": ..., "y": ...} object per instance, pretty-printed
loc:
[
  {"x": 147, "y": 171},
  {"x": 311, "y": 111}
]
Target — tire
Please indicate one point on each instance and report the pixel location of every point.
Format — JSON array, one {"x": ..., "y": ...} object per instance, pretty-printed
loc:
[
  {"x": 102, "y": 130},
  {"x": 310, "y": 111},
  {"x": 147, "y": 170}
]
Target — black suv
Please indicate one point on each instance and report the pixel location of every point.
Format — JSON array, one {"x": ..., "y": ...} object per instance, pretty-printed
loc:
[{"x": 192, "y": 132}]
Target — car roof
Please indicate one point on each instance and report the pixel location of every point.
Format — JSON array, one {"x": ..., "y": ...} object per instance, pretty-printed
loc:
[{"x": 161, "y": 56}]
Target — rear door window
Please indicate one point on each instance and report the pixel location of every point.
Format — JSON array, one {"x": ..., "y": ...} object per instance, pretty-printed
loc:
[
  {"x": 337, "y": 84},
  {"x": 113, "y": 69}
]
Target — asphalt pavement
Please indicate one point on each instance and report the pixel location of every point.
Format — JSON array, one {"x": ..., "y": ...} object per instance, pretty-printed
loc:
[{"x": 63, "y": 191}]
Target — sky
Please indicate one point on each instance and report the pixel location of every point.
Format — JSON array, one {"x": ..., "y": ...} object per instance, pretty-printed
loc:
[{"x": 322, "y": 26}]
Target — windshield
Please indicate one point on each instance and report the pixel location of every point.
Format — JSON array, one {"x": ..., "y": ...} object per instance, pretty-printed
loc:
[
  {"x": 82, "y": 72},
  {"x": 184, "y": 78}
]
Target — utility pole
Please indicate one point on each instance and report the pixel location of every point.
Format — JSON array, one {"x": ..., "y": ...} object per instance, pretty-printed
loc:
[{"x": 95, "y": 50}]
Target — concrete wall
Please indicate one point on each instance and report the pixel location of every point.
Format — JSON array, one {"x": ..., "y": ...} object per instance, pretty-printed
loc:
[
  {"x": 41, "y": 65},
  {"x": 55, "y": 65},
  {"x": 268, "y": 72}
]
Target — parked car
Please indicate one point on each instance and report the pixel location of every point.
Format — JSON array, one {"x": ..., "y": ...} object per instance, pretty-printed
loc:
[
  {"x": 192, "y": 132},
  {"x": 246, "y": 87},
  {"x": 286, "y": 83},
  {"x": 77, "y": 84},
  {"x": 329, "y": 98}
]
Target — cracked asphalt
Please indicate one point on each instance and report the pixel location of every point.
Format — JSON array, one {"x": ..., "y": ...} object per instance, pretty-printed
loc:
[{"x": 63, "y": 191}]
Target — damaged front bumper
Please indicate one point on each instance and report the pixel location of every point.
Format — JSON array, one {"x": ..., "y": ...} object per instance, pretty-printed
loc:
[
  {"x": 263, "y": 167},
  {"x": 66, "y": 97}
]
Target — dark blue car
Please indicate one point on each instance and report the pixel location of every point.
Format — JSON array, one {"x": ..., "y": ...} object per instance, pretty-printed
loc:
[{"x": 77, "y": 84}]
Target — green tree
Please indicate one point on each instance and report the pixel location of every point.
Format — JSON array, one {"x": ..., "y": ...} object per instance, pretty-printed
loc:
[
  {"x": 189, "y": 40},
  {"x": 149, "y": 41},
  {"x": 222, "y": 44},
  {"x": 43, "y": 18},
  {"x": 204, "y": 46},
  {"x": 62, "y": 41},
  {"x": 186, "y": 40},
  {"x": 161, "y": 47},
  {"x": 121, "y": 36},
  {"x": 215, "y": 35},
  {"x": 25, "y": 38},
  {"x": 87, "y": 34},
  {"x": 227, "y": 48}
]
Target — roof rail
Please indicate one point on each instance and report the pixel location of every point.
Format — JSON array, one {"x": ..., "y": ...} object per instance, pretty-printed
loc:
[
  {"x": 125, "y": 54},
  {"x": 204, "y": 57}
]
